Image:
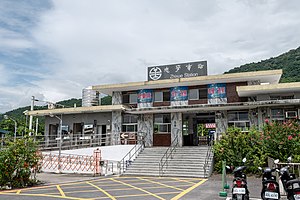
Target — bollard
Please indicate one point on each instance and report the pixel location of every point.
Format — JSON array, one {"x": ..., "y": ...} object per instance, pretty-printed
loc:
[
  {"x": 223, "y": 193},
  {"x": 97, "y": 159}
]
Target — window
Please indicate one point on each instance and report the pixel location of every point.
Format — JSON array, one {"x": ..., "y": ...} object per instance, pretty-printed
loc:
[
  {"x": 162, "y": 123},
  {"x": 158, "y": 96},
  {"x": 166, "y": 95},
  {"x": 203, "y": 93},
  {"x": 125, "y": 98},
  {"x": 129, "y": 98},
  {"x": 129, "y": 123},
  {"x": 239, "y": 119},
  {"x": 277, "y": 114},
  {"x": 193, "y": 94},
  {"x": 161, "y": 96},
  {"x": 133, "y": 98}
]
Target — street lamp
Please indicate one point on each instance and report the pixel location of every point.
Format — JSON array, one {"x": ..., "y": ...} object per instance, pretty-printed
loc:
[
  {"x": 60, "y": 141},
  {"x": 7, "y": 117}
]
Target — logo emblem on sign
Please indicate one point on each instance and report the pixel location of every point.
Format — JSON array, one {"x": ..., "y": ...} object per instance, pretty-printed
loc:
[{"x": 155, "y": 73}]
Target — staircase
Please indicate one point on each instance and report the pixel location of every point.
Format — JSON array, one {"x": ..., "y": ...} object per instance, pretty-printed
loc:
[{"x": 186, "y": 162}]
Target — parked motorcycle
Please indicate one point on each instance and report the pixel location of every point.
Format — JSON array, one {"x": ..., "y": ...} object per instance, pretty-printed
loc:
[
  {"x": 270, "y": 187},
  {"x": 240, "y": 189},
  {"x": 290, "y": 184}
]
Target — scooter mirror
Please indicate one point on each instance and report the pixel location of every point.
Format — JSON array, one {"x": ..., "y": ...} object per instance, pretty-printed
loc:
[
  {"x": 276, "y": 161},
  {"x": 289, "y": 159},
  {"x": 244, "y": 160}
]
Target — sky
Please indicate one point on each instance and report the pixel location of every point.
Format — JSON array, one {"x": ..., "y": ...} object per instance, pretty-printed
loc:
[{"x": 52, "y": 49}]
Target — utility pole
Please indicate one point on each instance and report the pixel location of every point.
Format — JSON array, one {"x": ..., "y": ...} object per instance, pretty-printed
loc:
[
  {"x": 36, "y": 128},
  {"x": 31, "y": 117}
]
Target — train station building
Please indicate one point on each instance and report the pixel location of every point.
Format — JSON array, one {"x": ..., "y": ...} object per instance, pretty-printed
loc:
[{"x": 178, "y": 102}]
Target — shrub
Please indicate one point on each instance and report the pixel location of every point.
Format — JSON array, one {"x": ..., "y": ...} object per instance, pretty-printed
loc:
[
  {"x": 17, "y": 160},
  {"x": 278, "y": 141}
]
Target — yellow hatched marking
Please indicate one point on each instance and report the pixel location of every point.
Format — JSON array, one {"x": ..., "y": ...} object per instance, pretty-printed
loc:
[
  {"x": 45, "y": 195},
  {"x": 182, "y": 180},
  {"x": 60, "y": 191},
  {"x": 188, "y": 190},
  {"x": 161, "y": 184},
  {"x": 18, "y": 192},
  {"x": 137, "y": 188},
  {"x": 140, "y": 195},
  {"x": 103, "y": 191}
]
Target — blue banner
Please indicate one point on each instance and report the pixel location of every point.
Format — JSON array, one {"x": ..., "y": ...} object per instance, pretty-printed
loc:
[
  {"x": 145, "y": 96},
  {"x": 179, "y": 93},
  {"x": 217, "y": 90}
]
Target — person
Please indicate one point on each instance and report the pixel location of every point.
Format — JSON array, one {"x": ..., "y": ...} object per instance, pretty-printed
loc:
[{"x": 210, "y": 137}]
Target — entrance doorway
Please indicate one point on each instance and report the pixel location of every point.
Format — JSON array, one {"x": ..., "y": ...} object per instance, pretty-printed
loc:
[{"x": 195, "y": 129}]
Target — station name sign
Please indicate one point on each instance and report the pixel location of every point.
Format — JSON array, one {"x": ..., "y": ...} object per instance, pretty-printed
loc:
[{"x": 180, "y": 70}]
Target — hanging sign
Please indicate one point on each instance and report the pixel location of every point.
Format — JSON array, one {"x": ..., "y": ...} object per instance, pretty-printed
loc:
[
  {"x": 145, "y": 96},
  {"x": 179, "y": 93}
]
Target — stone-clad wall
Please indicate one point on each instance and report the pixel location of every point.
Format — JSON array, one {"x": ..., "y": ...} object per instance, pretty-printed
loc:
[
  {"x": 116, "y": 98},
  {"x": 145, "y": 127},
  {"x": 116, "y": 127},
  {"x": 176, "y": 127},
  {"x": 221, "y": 123}
]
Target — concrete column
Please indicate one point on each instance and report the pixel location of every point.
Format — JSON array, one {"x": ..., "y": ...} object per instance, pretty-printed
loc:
[
  {"x": 116, "y": 98},
  {"x": 176, "y": 127},
  {"x": 221, "y": 123},
  {"x": 145, "y": 126},
  {"x": 116, "y": 127}
]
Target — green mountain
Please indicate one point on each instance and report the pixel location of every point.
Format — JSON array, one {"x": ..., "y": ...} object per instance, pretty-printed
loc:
[{"x": 289, "y": 62}]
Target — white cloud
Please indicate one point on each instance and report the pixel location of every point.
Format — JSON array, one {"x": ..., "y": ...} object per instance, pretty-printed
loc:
[{"x": 98, "y": 42}]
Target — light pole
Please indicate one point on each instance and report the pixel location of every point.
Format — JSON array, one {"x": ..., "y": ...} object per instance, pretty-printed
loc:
[
  {"x": 7, "y": 117},
  {"x": 60, "y": 141}
]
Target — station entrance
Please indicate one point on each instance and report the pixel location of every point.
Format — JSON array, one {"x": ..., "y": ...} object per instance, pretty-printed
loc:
[{"x": 198, "y": 128}]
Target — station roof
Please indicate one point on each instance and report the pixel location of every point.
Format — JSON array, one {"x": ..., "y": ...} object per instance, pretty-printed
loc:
[
  {"x": 77, "y": 110},
  {"x": 269, "y": 76},
  {"x": 253, "y": 90}
]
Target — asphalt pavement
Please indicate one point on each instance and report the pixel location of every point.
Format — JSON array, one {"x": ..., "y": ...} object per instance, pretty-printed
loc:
[{"x": 77, "y": 186}]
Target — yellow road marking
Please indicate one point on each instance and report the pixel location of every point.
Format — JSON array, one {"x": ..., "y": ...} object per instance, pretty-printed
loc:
[
  {"x": 103, "y": 191},
  {"x": 44, "y": 195},
  {"x": 150, "y": 181},
  {"x": 117, "y": 189},
  {"x": 18, "y": 192},
  {"x": 180, "y": 180},
  {"x": 60, "y": 191},
  {"x": 139, "y": 195},
  {"x": 137, "y": 188},
  {"x": 188, "y": 190}
]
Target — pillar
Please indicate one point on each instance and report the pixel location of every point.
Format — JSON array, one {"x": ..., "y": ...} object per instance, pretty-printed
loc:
[
  {"x": 176, "y": 127},
  {"x": 145, "y": 127}
]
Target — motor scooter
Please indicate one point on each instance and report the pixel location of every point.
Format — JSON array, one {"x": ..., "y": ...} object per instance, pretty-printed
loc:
[
  {"x": 240, "y": 189},
  {"x": 270, "y": 187},
  {"x": 290, "y": 183}
]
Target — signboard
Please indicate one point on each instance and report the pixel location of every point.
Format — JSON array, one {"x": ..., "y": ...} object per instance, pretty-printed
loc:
[
  {"x": 180, "y": 70},
  {"x": 216, "y": 93},
  {"x": 179, "y": 93},
  {"x": 144, "y": 96}
]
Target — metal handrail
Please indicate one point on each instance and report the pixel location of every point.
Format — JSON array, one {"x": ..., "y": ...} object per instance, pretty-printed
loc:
[
  {"x": 124, "y": 163},
  {"x": 207, "y": 158},
  {"x": 168, "y": 154}
]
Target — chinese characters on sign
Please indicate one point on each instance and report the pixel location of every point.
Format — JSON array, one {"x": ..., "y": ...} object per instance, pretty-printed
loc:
[
  {"x": 181, "y": 70},
  {"x": 216, "y": 93},
  {"x": 145, "y": 96},
  {"x": 179, "y": 93}
]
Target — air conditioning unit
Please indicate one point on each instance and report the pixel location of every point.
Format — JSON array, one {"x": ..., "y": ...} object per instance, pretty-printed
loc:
[{"x": 291, "y": 114}]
